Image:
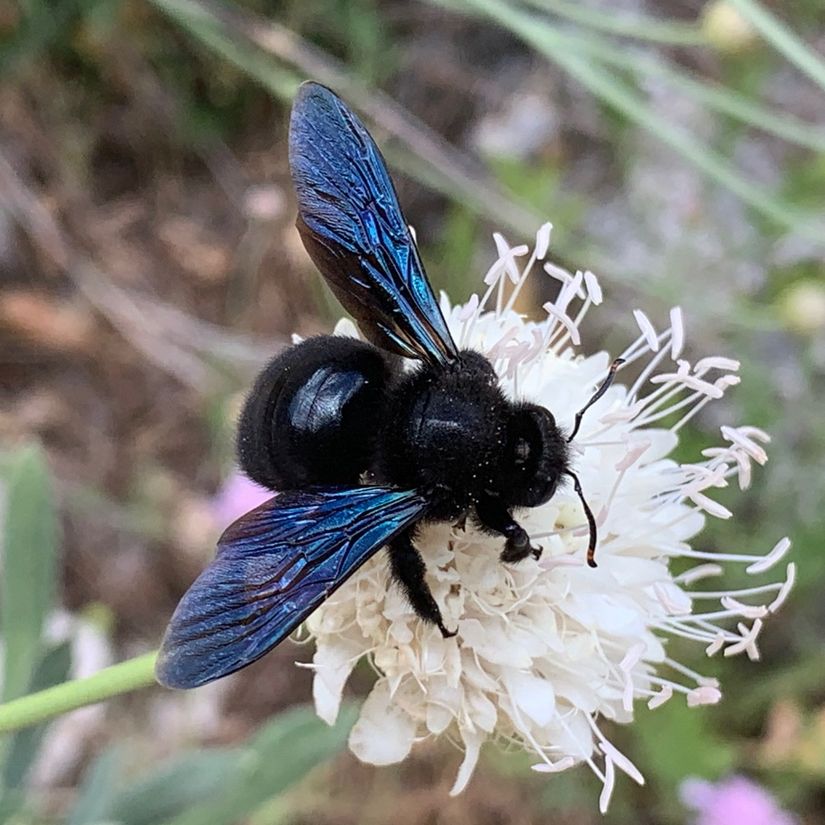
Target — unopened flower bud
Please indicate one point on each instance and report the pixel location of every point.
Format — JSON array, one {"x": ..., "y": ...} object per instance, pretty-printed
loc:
[{"x": 725, "y": 28}]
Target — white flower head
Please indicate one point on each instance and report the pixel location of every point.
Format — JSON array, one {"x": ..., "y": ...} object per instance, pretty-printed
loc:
[{"x": 547, "y": 649}]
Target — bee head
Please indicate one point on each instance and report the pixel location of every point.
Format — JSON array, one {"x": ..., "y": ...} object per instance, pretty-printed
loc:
[{"x": 534, "y": 459}]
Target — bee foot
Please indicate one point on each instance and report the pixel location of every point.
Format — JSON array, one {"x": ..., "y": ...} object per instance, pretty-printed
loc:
[
  {"x": 518, "y": 547},
  {"x": 447, "y": 634}
]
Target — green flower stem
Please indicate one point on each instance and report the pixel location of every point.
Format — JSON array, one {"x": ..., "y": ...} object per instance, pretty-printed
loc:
[{"x": 123, "y": 677}]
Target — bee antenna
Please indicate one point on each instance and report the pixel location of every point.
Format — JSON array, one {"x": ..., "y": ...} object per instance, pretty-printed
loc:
[
  {"x": 596, "y": 396},
  {"x": 591, "y": 520}
]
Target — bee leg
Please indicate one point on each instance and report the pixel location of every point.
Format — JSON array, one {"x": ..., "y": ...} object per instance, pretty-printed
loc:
[
  {"x": 408, "y": 569},
  {"x": 494, "y": 516}
]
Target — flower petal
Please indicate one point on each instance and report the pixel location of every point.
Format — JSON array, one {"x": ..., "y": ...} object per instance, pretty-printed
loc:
[
  {"x": 333, "y": 662},
  {"x": 383, "y": 734},
  {"x": 472, "y": 748}
]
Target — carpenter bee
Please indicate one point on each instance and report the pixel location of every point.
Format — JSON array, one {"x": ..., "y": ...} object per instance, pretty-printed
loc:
[{"x": 360, "y": 450}]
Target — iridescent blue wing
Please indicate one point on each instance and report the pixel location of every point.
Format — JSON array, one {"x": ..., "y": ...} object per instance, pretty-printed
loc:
[
  {"x": 352, "y": 227},
  {"x": 274, "y": 566}
]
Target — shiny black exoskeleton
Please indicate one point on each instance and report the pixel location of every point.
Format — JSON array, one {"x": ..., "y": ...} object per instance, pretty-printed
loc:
[
  {"x": 359, "y": 446},
  {"x": 332, "y": 410}
]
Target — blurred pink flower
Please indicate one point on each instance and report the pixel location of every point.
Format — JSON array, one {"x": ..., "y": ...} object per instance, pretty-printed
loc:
[
  {"x": 736, "y": 800},
  {"x": 237, "y": 495}
]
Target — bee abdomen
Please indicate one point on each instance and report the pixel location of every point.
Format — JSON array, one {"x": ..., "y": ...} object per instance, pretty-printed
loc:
[{"x": 313, "y": 414}]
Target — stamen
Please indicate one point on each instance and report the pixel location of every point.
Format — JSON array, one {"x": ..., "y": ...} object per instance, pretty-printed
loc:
[
  {"x": 764, "y": 563},
  {"x": 658, "y": 699},
  {"x": 640, "y": 347},
  {"x": 714, "y": 556},
  {"x": 577, "y": 321},
  {"x": 557, "y": 315},
  {"x": 704, "y": 696},
  {"x": 526, "y": 272},
  {"x": 745, "y": 591},
  {"x": 561, "y": 274},
  {"x": 729, "y": 613},
  {"x": 685, "y": 418},
  {"x": 688, "y": 380},
  {"x": 661, "y": 394},
  {"x": 748, "y": 445},
  {"x": 646, "y": 373},
  {"x": 695, "y": 574},
  {"x": 509, "y": 267},
  {"x": 678, "y": 342},
  {"x": 618, "y": 758},
  {"x": 543, "y": 240},
  {"x": 507, "y": 256},
  {"x": 569, "y": 291},
  {"x": 650, "y": 417},
  {"x": 691, "y": 633},
  {"x": 669, "y": 683},
  {"x": 469, "y": 309},
  {"x": 747, "y": 643},
  {"x": 647, "y": 329},
  {"x": 591, "y": 284},
  {"x": 784, "y": 591},
  {"x": 702, "y": 681},
  {"x": 715, "y": 630}
]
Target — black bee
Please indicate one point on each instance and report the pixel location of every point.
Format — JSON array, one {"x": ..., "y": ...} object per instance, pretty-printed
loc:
[{"x": 358, "y": 450}]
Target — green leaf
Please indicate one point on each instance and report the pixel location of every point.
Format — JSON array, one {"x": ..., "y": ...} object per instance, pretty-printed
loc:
[
  {"x": 30, "y": 537},
  {"x": 189, "y": 779},
  {"x": 282, "y": 753},
  {"x": 95, "y": 796},
  {"x": 24, "y": 746}
]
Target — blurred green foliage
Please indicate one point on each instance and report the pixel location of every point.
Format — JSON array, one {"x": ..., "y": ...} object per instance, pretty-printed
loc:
[{"x": 29, "y": 570}]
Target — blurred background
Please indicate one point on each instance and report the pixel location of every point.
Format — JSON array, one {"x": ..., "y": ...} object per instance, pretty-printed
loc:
[{"x": 149, "y": 265}]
